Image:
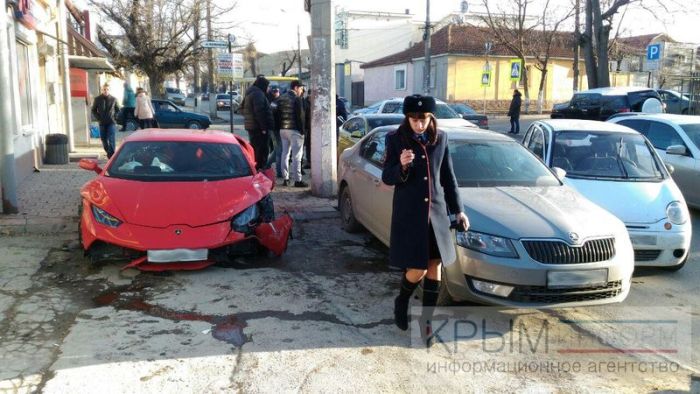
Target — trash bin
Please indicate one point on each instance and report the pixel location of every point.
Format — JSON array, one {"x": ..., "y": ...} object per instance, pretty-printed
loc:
[{"x": 56, "y": 149}]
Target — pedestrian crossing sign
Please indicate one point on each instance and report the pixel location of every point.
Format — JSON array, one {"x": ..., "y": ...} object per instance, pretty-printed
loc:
[
  {"x": 485, "y": 79},
  {"x": 515, "y": 69}
]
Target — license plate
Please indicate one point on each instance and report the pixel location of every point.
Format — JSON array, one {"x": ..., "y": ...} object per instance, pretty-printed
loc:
[
  {"x": 175, "y": 255},
  {"x": 642, "y": 239},
  {"x": 569, "y": 279}
]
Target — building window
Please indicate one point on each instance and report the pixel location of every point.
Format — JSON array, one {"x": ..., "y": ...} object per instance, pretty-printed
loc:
[
  {"x": 25, "y": 94},
  {"x": 400, "y": 78}
]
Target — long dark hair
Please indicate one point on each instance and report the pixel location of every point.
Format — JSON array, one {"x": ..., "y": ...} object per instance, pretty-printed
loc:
[{"x": 406, "y": 131}]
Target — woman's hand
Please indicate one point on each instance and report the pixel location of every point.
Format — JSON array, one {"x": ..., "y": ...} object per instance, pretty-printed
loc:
[
  {"x": 463, "y": 221},
  {"x": 406, "y": 157}
]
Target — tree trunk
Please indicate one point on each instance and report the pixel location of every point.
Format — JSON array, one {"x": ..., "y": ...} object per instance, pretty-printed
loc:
[
  {"x": 603, "y": 67},
  {"x": 540, "y": 93},
  {"x": 587, "y": 44},
  {"x": 155, "y": 82},
  {"x": 577, "y": 43},
  {"x": 526, "y": 90}
]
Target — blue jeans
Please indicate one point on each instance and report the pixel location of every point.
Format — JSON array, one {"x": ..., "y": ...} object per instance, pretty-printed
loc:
[
  {"x": 277, "y": 140},
  {"x": 515, "y": 124},
  {"x": 108, "y": 135}
]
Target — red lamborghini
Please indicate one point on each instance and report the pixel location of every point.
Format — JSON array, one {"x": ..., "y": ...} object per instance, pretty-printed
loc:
[{"x": 179, "y": 199}]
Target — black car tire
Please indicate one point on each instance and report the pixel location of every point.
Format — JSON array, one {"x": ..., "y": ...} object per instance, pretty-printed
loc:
[
  {"x": 131, "y": 125},
  {"x": 347, "y": 216},
  {"x": 193, "y": 124}
]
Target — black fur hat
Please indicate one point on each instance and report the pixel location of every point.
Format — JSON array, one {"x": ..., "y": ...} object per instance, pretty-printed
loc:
[{"x": 418, "y": 104}]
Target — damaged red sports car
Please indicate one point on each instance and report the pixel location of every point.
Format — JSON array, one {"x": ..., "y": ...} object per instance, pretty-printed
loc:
[{"x": 179, "y": 199}]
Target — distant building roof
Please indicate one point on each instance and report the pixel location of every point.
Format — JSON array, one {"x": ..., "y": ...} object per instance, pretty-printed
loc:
[
  {"x": 641, "y": 42},
  {"x": 469, "y": 40}
]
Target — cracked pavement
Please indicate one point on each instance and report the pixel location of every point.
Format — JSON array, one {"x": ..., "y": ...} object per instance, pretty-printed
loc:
[{"x": 316, "y": 319}]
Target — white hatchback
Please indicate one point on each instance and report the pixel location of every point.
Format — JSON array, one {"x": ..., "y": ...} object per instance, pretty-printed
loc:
[{"x": 618, "y": 169}]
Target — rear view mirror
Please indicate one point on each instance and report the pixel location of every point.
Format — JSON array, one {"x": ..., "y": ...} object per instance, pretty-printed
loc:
[
  {"x": 559, "y": 172},
  {"x": 356, "y": 134},
  {"x": 670, "y": 168},
  {"x": 90, "y": 165},
  {"x": 676, "y": 150}
]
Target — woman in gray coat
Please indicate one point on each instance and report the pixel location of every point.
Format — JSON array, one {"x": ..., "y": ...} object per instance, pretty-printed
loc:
[{"x": 419, "y": 166}]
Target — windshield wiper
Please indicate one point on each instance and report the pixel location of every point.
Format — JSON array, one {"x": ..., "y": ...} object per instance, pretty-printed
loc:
[{"x": 619, "y": 161}]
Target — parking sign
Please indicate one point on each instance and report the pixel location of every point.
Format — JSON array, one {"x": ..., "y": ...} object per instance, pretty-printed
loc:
[{"x": 654, "y": 52}]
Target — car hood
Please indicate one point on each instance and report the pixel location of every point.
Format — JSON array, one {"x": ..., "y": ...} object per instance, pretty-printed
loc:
[
  {"x": 455, "y": 122},
  {"x": 632, "y": 202},
  {"x": 535, "y": 212},
  {"x": 161, "y": 204}
]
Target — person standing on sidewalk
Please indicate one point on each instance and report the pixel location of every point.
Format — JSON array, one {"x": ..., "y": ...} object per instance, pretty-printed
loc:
[
  {"x": 514, "y": 113},
  {"x": 419, "y": 166},
  {"x": 258, "y": 120},
  {"x": 276, "y": 138},
  {"x": 290, "y": 108},
  {"x": 144, "y": 109},
  {"x": 105, "y": 109},
  {"x": 128, "y": 100}
]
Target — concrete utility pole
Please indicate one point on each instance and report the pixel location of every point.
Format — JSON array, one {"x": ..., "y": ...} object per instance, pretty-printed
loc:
[
  {"x": 8, "y": 181},
  {"x": 323, "y": 139},
  {"x": 299, "y": 51},
  {"x": 577, "y": 39},
  {"x": 210, "y": 60},
  {"x": 426, "y": 40}
]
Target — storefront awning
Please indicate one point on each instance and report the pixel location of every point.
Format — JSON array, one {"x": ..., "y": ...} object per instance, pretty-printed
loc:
[{"x": 90, "y": 63}]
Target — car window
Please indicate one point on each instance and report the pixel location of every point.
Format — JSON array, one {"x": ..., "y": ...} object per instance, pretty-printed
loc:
[
  {"x": 693, "y": 132},
  {"x": 606, "y": 155},
  {"x": 497, "y": 163},
  {"x": 179, "y": 161},
  {"x": 373, "y": 149},
  {"x": 353, "y": 125},
  {"x": 585, "y": 100},
  {"x": 443, "y": 111},
  {"x": 391, "y": 107},
  {"x": 637, "y": 99},
  {"x": 376, "y": 122},
  {"x": 163, "y": 106},
  {"x": 536, "y": 143},
  {"x": 614, "y": 103},
  {"x": 640, "y": 125},
  {"x": 662, "y": 135}
]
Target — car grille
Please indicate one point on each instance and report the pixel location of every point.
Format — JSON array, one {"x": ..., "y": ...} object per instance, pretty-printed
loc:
[
  {"x": 646, "y": 254},
  {"x": 558, "y": 252},
  {"x": 543, "y": 295}
]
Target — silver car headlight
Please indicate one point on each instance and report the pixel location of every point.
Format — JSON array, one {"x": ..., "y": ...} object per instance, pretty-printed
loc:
[
  {"x": 677, "y": 212},
  {"x": 487, "y": 244}
]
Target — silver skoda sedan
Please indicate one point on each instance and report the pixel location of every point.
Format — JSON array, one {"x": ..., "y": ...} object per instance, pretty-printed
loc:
[{"x": 533, "y": 241}]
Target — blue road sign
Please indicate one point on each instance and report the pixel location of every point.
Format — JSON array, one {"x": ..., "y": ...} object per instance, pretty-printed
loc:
[{"x": 653, "y": 52}]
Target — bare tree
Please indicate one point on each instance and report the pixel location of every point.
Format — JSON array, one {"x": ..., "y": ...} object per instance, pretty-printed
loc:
[
  {"x": 156, "y": 36},
  {"x": 251, "y": 56},
  {"x": 545, "y": 39},
  {"x": 288, "y": 60},
  {"x": 511, "y": 30},
  {"x": 595, "y": 39}
]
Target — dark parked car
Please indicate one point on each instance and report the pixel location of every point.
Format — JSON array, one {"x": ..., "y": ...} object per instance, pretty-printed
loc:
[
  {"x": 676, "y": 103},
  {"x": 471, "y": 115},
  {"x": 601, "y": 103},
  {"x": 558, "y": 109},
  {"x": 168, "y": 115}
]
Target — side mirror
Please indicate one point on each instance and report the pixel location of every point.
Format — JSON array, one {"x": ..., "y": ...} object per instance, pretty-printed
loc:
[
  {"x": 670, "y": 168},
  {"x": 559, "y": 172},
  {"x": 90, "y": 165},
  {"x": 356, "y": 134},
  {"x": 676, "y": 150}
]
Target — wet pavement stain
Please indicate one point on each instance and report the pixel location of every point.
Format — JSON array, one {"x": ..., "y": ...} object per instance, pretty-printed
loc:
[{"x": 227, "y": 328}]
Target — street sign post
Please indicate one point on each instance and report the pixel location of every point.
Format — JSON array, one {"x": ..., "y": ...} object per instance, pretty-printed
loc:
[
  {"x": 515, "y": 69},
  {"x": 215, "y": 44}
]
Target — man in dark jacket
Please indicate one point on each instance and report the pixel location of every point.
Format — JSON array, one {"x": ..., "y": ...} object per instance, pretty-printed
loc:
[
  {"x": 290, "y": 110},
  {"x": 104, "y": 109},
  {"x": 514, "y": 113},
  {"x": 258, "y": 120},
  {"x": 341, "y": 115}
]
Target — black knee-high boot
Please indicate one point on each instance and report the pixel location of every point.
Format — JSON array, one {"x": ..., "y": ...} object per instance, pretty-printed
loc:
[
  {"x": 401, "y": 303},
  {"x": 430, "y": 295}
]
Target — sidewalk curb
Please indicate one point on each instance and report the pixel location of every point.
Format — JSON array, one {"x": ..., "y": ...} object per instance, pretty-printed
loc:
[{"x": 40, "y": 225}]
